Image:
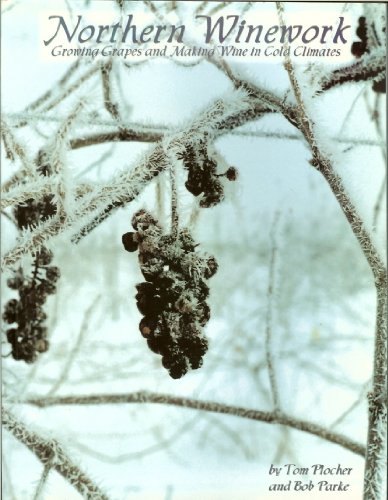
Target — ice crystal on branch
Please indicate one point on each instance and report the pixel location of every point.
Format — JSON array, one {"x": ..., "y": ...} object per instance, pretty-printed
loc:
[{"x": 173, "y": 297}]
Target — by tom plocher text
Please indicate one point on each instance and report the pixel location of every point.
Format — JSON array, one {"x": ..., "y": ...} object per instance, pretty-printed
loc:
[{"x": 317, "y": 477}]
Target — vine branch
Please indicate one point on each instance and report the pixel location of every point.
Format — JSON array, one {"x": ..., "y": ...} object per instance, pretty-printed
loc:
[
  {"x": 151, "y": 397},
  {"x": 377, "y": 398},
  {"x": 50, "y": 452}
]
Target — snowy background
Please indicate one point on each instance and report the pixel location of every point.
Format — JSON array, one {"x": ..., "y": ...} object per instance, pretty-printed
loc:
[{"x": 323, "y": 309}]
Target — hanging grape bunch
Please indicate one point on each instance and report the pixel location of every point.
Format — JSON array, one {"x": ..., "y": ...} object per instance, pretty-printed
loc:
[
  {"x": 202, "y": 176},
  {"x": 173, "y": 297},
  {"x": 360, "y": 48},
  {"x": 29, "y": 336}
]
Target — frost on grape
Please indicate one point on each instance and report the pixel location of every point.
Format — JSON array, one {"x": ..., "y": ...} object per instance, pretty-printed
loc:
[{"x": 173, "y": 297}]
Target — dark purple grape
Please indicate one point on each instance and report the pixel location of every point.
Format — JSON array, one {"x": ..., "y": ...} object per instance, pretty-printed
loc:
[
  {"x": 178, "y": 367},
  {"x": 130, "y": 242},
  {"x": 231, "y": 174},
  {"x": 380, "y": 86},
  {"x": 43, "y": 257},
  {"x": 52, "y": 273},
  {"x": 147, "y": 326},
  {"x": 10, "y": 313},
  {"x": 15, "y": 283}
]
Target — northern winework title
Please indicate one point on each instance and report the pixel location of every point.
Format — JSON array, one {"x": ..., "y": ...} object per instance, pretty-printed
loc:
[{"x": 222, "y": 30}]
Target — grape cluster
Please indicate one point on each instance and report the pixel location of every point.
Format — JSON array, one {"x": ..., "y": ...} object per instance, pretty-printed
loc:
[
  {"x": 173, "y": 297},
  {"x": 29, "y": 336},
  {"x": 33, "y": 212},
  {"x": 360, "y": 48},
  {"x": 202, "y": 176}
]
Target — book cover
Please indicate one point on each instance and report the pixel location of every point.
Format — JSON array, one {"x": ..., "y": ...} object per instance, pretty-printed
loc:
[{"x": 193, "y": 250}]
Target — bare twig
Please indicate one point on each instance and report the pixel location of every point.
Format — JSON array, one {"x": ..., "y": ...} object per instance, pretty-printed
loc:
[
  {"x": 61, "y": 83},
  {"x": 14, "y": 148},
  {"x": 9, "y": 217},
  {"x": 7, "y": 480},
  {"x": 234, "y": 435},
  {"x": 357, "y": 402},
  {"x": 42, "y": 481},
  {"x": 200, "y": 6},
  {"x": 379, "y": 200},
  {"x": 376, "y": 119},
  {"x": 217, "y": 8},
  {"x": 268, "y": 319},
  {"x": 70, "y": 359},
  {"x": 72, "y": 88},
  {"x": 110, "y": 106},
  {"x": 162, "y": 444}
]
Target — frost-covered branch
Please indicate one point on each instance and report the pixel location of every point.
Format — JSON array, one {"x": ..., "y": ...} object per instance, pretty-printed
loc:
[
  {"x": 260, "y": 102},
  {"x": 150, "y": 397},
  {"x": 36, "y": 190},
  {"x": 50, "y": 452},
  {"x": 124, "y": 187},
  {"x": 113, "y": 107},
  {"x": 375, "y": 458},
  {"x": 23, "y": 192},
  {"x": 14, "y": 149},
  {"x": 110, "y": 106},
  {"x": 125, "y": 135},
  {"x": 370, "y": 67}
]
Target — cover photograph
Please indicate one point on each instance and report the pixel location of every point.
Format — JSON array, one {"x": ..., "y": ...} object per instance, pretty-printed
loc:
[{"x": 193, "y": 250}]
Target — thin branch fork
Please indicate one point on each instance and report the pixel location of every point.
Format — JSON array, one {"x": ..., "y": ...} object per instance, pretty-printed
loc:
[
  {"x": 42, "y": 481},
  {"x": 261, "y": 101},
  {"x": 96, "y": 206},
  {"x": 274, "y": 417},
  {"x": 158, "y": 162},
  {"x": 50, "y": 453}
]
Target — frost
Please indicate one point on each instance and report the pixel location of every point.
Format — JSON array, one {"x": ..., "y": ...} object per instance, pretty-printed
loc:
[{"x": 101, "y": 140}]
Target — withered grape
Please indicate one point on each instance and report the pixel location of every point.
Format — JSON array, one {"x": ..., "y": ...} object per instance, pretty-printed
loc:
[{"x": 173, "y": 297}]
